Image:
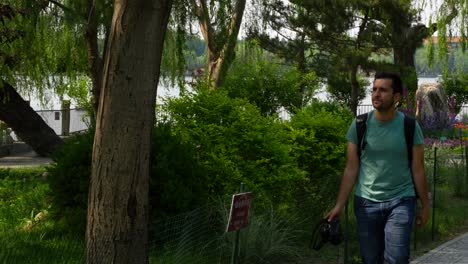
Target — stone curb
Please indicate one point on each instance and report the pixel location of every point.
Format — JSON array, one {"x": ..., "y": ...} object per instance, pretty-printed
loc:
[{"x": 454, "y": 251}]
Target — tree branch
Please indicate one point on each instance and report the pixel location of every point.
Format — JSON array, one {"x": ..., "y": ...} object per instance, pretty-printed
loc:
[{"x": 67, "y": 9}]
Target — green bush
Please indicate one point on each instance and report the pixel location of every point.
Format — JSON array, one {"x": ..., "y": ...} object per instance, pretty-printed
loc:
[
  {"x": 211, "y": 145},
  {"x": 270, "y": 86},
  {"x": 235, "y": 143},
  {"x": 69, "y": 180},
  {"x": 178, "y": 183},
  {"x": 456, "y": 86},
  {"x": 318, "y": 132}
]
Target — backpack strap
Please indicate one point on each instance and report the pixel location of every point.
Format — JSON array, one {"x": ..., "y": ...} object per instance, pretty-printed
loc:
[
  {"x": 361, "y": 122},
  {"x": 410, "y": 125}
]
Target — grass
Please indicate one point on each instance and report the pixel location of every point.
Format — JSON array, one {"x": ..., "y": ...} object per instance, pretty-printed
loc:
[{"x": 28, "y": 234}]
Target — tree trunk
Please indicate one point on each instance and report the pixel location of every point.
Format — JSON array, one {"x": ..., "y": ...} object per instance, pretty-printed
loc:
[
  {"x": 404, "y": 56},
  {"x": 117, "y": 220},
  {"x": 94, "y": 60},
  {"x": 354, "y": 90},
  {"x": 25, "y": 122},
  {"x": 220, "y": 56},
  {"x": 355, "y": 87}
]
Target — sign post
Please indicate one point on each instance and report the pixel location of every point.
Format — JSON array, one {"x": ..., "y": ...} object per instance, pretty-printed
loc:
[{"x": 239, "y": 218}]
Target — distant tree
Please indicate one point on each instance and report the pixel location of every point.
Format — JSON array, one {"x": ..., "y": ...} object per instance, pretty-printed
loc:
[
  {"x": 220, "y": 23},
  {"x": 313, "y": 36},
  {"x": 325, "y": 28},
  {"x": 268, "y": 83},
  {"x": 402, "y": 27}
]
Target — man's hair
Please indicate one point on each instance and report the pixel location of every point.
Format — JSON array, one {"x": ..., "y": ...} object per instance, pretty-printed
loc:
[{"x": 397, "y": 84}]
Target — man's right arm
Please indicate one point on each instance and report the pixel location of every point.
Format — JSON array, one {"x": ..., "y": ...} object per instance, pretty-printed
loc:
[{"x": 350, "y": 174}]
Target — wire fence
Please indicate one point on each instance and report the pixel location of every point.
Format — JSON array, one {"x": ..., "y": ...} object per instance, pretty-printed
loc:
[
  {"x": 273, "y": 236},
  {"x": 283, "y": 234}
]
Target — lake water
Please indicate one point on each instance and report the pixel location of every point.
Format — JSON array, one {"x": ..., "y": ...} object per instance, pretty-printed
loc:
[{"x": 53, "y": 102}]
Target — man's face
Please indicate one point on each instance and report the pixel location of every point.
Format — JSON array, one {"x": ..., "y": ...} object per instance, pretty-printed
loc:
[{"x": 383, "y": 98}]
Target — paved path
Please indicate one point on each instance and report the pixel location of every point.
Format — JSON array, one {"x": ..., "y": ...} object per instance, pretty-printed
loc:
[
  {"x": 27, "y": 159},
  {"x": 454, "y": 251}
]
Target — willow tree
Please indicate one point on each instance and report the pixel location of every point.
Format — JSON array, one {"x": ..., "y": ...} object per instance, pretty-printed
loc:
[
  {"x": 220, "y": 22},
  {"x": 28, "y": 63},
  {"x": 117, "y": 222},
  {"x": 451, "y": 18},
  {"x": 91, "y": 21},
  {"x": 53, "y": 44}
]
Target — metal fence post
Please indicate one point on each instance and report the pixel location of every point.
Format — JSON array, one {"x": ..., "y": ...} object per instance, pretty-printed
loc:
[
  {"x": 434, "y": 192},
  {"x": 346, "y": 245},
  {"x": 466, "y": 166},
  {"x": 415, "y": 232}
]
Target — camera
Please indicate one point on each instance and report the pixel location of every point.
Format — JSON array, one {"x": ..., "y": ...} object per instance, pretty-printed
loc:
[{"x": 327, "y": 231}]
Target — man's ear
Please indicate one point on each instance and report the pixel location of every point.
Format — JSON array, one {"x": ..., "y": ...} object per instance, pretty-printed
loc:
[{"x": 396, "y": 99}]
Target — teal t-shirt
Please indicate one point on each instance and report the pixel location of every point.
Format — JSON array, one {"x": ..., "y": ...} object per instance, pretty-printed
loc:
[{"x": 384, "y": 173}]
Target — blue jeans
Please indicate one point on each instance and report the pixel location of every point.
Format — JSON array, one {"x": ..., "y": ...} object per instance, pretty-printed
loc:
[{"x": 384, "y": 229}]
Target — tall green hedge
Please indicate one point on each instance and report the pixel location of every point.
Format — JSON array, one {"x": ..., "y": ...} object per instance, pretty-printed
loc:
[{"x": 209, "y": 145}]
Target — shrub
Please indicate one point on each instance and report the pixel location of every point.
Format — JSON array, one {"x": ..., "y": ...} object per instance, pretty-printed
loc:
[
  {"x": 69, "y": 180},
  {"x": 235, "y": 143},
  {"x": 178, "y": 183},
  {"x": 211, "y": 144},
  {"x": 270, "y": 86},
  {"x": 318, "y": 132}
]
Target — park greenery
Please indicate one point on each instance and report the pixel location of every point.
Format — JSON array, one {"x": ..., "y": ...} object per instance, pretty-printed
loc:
[
  {"x": 292, "y": 167},
  {"x": 122, "y": 181}
]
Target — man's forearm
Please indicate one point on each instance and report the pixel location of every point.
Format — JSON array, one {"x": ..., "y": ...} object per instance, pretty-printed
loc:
[
  {"x": 420, "y": 182},
  {"x": 347, "y": 183}
]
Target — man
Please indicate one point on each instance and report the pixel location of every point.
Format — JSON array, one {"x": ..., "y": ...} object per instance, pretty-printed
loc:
[{"x": 385, "y": 195}]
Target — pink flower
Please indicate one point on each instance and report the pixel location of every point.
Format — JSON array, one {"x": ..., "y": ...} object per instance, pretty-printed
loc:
[{"x": 452, "y": 101}]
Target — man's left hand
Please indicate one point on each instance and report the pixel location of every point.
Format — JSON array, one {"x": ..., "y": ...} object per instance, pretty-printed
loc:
[{"x": 422, "y": 217}]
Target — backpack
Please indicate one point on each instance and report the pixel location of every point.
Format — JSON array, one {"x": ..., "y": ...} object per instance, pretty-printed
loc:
[{"x": 409, "y": 124}]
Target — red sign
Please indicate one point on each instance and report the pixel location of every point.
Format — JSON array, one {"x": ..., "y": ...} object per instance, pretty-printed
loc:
[{"x": 240, "y": 208}]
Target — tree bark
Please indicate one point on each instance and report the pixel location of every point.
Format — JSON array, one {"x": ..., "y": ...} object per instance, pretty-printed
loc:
[
  {"x": 94, "y": 59},
  {"x": 354, "y": 90},
  {"x": 355, "y": 87},
  {"x": 118, "y": 198},
  {"x": 25, "y": 122}
]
